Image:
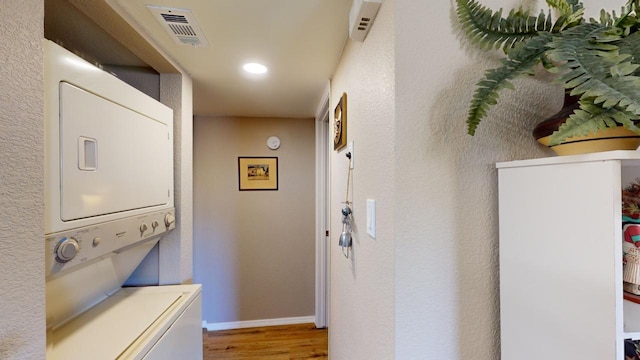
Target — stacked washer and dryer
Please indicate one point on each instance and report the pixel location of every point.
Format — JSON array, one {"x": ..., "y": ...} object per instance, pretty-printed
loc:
[{"x": 109, "y": 200}]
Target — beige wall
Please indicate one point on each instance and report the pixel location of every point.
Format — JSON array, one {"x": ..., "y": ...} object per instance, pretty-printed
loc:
[
  {"x": 22, "y": 303},
  {"x": 362, "y": 290},
  {"x": 254, "y": 250}
]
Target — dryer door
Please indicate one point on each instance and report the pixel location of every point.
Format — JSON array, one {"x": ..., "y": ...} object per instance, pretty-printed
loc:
[{"x": 112, "y": 159}]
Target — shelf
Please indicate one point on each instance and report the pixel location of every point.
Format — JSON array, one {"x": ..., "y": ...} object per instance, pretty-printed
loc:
[
  {"x": 631, "y": 320},
  {"x": 632, "y": 157}
]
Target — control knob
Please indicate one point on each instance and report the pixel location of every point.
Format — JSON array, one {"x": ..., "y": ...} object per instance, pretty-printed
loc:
[
  {"x": 67, "y": 249},
  {"x": 169, "y": 219}
]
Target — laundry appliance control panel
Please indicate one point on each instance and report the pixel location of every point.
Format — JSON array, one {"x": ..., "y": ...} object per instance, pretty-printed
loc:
[{"x": 86, "y": 245}]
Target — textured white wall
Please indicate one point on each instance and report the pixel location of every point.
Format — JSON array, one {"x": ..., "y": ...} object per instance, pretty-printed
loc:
[
  {"x": 446, "y": 258},
  {"x": 361, "y": 305},
  {"x": 446, "y": 273},
  {"x": 176, "y": 249},
  {"x": 254, "y": 250},
  {"x": 22, "y": 303}
]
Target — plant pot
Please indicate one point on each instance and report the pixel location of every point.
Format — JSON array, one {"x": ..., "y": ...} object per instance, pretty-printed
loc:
[{"x": 608, "y": 139}]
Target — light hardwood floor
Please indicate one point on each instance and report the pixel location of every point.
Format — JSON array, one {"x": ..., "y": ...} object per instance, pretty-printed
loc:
[{"x": 267, "y": 343}]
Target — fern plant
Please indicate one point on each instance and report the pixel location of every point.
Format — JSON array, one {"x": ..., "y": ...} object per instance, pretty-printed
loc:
[{"x": 597, "y": 60}]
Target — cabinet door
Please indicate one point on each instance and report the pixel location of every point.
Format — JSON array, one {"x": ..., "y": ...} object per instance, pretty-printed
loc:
[{"x": 559, "y": 231}]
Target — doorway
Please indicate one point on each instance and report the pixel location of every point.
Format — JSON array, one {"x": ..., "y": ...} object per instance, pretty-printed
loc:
[{"x": 322, "y": 211}]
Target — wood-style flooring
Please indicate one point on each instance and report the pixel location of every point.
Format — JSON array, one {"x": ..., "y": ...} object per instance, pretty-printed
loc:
[{"x": 285, "y": 342}]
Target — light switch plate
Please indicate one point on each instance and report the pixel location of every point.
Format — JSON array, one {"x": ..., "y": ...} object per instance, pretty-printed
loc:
[{"x": 371, "y": 218}]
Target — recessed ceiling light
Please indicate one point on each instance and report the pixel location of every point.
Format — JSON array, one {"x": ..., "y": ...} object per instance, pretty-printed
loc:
[{"x": 254, "y": 68}]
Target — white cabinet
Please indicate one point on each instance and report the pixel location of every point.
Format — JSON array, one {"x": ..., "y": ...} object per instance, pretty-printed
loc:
[{"x": 561, "y": 257}]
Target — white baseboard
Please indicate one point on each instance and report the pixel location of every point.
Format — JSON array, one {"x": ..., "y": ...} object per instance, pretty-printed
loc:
[{"x": 258, "y": 323}]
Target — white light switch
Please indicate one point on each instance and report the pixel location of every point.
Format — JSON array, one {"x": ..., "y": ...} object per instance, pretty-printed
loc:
[{"x": 371, "y": 218}]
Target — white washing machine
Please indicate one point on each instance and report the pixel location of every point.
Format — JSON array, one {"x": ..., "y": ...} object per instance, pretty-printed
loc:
[
  {"x": 91, "y": 316},
  {"x": 109, "y": 200}
]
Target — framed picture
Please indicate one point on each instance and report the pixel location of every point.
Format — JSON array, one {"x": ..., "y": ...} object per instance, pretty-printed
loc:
[
  {"x": 257, "y": 173},
  {"x": 340, "y": 124}
]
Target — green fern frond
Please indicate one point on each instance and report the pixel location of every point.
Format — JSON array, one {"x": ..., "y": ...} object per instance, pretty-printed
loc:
[
  {"x": 562, "y": 6},
  {"x": 631, "y": 45},
  {"x": 588, "y": 65},
  {"x": 572, "y": 10},
  {"x": 574, "y": 19},
  {"x": 629, "y": 17},
  {"x": 519, "y": 62},
  {"x": 606, "y": 19},
  {"x": 598, "y": 61},
  {"x": 589, "y": 119},
  {"x": 487, "y": 29}
]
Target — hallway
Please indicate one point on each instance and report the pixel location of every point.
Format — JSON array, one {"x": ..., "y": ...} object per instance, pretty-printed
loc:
[{"x": 284, "y": 342}]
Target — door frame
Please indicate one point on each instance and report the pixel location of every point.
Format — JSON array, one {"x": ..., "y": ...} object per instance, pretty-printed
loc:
[{"x": 322, "y": 210}]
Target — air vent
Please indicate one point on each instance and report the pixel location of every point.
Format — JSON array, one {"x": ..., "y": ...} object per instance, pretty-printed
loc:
[
  {"x": 361, "y": 17},
  {"x": 180, "y": 24}
]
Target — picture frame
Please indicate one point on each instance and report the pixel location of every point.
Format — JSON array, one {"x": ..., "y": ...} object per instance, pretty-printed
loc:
[
  {"x": 257, "y": 173},
  {"x": 340, "y": 124}
]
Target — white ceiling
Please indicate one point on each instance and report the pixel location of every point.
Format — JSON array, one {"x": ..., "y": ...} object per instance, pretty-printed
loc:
[{"x": 300, "y": 41}]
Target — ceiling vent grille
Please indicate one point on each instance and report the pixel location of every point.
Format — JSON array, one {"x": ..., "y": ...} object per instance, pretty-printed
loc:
[
  {"x": 361, "y": 17},
  {"x": 180, "y": 24}
]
